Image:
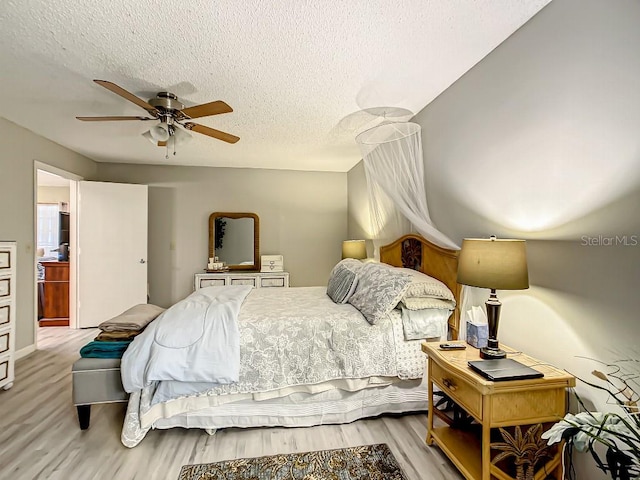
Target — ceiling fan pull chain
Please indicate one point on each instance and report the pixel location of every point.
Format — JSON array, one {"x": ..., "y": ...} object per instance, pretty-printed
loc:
[{"x": 166, "y": 157}]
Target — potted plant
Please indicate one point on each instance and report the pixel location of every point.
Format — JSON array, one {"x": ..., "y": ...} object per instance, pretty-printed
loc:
[{"x": 617, "y": 432}]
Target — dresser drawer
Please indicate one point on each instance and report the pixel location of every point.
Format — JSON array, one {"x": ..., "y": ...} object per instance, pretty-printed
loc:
[
  {"x": 4, "y": 342},
  {"x": 5, "y": 363},
  {"x": 5, "y": 287},
  {"x": 244, "y": 281},
  {"x": 458, "y": 390},
  {"x": 212, "y": 282},
  {"x": 6, "y": 262},
  {"x": 5, "y": 315},
  {"x": 272, "y": 282}
]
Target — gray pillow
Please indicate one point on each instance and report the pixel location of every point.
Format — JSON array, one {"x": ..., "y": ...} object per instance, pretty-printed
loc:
[
  {"x": 343, "y": 280},
  {"x": 380, "y": 288}
]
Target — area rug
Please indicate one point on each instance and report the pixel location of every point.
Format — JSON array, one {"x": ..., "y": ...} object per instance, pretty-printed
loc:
[{"x": 367, "y": 462}]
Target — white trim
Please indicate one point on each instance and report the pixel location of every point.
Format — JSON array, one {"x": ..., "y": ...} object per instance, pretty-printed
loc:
[
  {"x": 56, "y": 171},
  {"x": 23, "y": 352}
]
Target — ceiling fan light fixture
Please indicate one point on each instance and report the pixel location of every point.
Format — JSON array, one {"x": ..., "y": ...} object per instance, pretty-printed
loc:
[
  {"x": 148, "y": 136},
  {"x": 181, "y": 136},
  {"x": 160, "y": 132}
]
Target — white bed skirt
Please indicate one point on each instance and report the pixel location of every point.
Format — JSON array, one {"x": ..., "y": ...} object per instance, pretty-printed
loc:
[{"x": 303, "y": 410}]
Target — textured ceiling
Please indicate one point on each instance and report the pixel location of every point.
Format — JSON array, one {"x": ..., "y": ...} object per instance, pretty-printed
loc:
[{"x": 302, "y": 77}]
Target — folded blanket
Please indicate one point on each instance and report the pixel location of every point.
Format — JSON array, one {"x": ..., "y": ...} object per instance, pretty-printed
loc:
[
  {"x": 119, "y": 335},
  {"x": 425, "y": 323},
  {"x": 104, "y": 349},
  {"x": 136, "y": 318},
  {"x": 195, "y": 340}
]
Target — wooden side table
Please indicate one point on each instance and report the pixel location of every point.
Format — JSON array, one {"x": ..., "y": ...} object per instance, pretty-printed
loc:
[
  {"x": 491, "y": 447},
  {"x": 56, "y": 295}
]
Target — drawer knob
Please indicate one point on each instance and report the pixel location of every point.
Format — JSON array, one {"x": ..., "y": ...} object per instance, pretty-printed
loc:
[{"x": 449, "y": 384}]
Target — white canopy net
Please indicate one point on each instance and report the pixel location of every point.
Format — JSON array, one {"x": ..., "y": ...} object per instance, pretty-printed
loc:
[{"x": 394, "y": 168}]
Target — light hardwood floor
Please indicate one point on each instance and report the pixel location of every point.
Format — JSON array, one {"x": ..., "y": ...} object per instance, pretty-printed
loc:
[{"x": 40, "y": 437}]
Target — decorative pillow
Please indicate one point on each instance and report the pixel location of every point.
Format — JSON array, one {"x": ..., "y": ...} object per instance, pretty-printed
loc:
[
  {"x": 423, "y": 285},
  {"x": 343, "y": 280},
  {"x": 380, "y": 288},
  {"x": 422, "y": 303}
]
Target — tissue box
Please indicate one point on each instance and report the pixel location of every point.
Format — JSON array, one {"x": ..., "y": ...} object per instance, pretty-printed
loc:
[{"x": 477, "y": 335}]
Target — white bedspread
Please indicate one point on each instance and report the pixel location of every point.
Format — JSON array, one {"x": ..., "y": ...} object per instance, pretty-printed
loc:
[
  {"x": 292, "y": 339},
  {"x": 196, "y": 340}
]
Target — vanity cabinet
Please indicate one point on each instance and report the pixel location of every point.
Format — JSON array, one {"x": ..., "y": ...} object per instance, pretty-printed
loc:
[
  {"x": 56, "y": 294},
  {"x": 255, "y": 279},
  {"x": 7, "y": 313}
]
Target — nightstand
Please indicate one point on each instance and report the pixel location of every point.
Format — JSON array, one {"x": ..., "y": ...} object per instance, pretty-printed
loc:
[{"x": 480, "y": 446}]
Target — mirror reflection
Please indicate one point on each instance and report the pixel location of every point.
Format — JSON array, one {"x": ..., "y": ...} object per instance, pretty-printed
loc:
[{"x": 233, "y": 238}]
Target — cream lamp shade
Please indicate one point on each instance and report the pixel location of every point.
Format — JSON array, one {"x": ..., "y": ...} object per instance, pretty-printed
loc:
[
  {"x": 499, "y": 264},
  {"x": 354, "y": 249}
]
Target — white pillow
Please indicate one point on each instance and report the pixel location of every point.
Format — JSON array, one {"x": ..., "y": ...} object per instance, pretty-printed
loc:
[
  {"x": 343, "y": 280},
  {"x": 380, "y": 288},
  {"x": 423, "y": 285},
  {"x": 422, "y": 303}
]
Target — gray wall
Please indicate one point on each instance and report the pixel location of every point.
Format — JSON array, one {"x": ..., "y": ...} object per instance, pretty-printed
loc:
[
  {"x": 20, "y": 148},
  {"x": 540, "y": 141},
  {"x": 303, "y": 216},
  {"x": 358, "y": 207}
]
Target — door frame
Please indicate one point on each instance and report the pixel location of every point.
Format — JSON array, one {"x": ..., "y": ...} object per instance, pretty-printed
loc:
[{"x": 73, "y": 260}]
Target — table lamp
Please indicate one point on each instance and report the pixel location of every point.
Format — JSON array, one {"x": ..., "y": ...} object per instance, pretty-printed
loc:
[
  {"x": 497, "y": 264},
  {"x": 354, "y": 249}
]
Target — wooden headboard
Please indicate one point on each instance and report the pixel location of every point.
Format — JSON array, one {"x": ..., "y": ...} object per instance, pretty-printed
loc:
[{"x": 413, "y": 251}]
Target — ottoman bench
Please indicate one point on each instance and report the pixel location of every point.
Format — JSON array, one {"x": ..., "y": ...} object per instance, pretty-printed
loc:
[{"x": 96, "y": 380}]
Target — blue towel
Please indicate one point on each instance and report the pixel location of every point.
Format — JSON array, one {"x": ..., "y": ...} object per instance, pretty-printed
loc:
[{"x": 104, "y": 349}]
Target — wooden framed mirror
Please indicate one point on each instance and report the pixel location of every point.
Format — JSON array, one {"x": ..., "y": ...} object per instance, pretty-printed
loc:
[{"x": 235, "y": 239}]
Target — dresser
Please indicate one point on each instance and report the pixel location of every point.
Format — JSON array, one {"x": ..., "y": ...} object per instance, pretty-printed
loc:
[
  {"x": 7, "y": 312},
  {"x": 496, "y": 427},
  {"x": 255, "y": 279},
  {"x": 55, "y": 309}
]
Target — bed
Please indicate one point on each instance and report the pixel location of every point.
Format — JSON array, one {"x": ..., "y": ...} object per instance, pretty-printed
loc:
[{"x": 303, "y": 358}]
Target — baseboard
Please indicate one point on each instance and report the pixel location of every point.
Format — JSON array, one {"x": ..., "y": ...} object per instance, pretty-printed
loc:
[{"x": 23, "y": 352}]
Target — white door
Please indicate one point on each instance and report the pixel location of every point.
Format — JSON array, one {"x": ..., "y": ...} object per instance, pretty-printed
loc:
[{"x": 112, "y": 250}]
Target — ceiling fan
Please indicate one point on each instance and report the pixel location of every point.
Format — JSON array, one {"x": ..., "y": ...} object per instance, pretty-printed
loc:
[{"x": 171, "y": 113}]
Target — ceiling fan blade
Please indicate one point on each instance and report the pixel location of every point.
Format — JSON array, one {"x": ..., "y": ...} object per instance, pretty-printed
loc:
[
  {"x": 225, "y": 137},
  {"x": 109, "y": 119},
  {"x": 206, "y": 109},
  {"x": 128, "y": 96},
  {"x": 162, "y": 144}
]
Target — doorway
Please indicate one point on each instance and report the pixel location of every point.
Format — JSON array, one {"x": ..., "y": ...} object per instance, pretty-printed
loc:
[
  {"x": 53, "y": 198},
  {"x": 113, "y": 219}
]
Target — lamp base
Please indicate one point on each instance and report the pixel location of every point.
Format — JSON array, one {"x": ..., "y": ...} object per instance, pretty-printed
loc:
[{"x": 489, "y": 353}]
